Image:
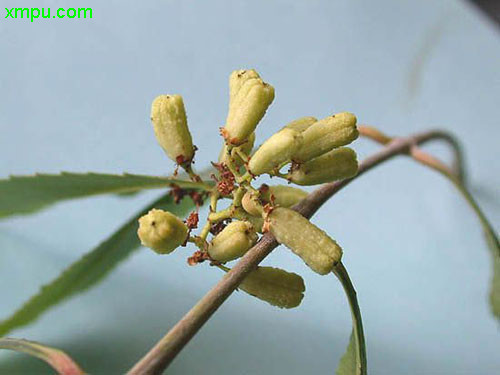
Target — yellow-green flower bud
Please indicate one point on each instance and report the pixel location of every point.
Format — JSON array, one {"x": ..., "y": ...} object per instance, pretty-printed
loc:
[
  {"x": 252, "y": 203},
  {"x": 257, "y": 223},
  {"x": 337, "y": 164},
  {"x": 280, "y": 195},
  {"x": 327, "y": 134},
  {"x": 234, "y": 241},
  {"x": 305, "y": 239},
  {"x": 237, "y": 79},
  {"x": 283, "y": 195},
  {"x": 275, "y": 286},
  {"x": 170, "y": 125},
  {"x": 245, "y": 147},
  {"x": 301, "y": 124},
  {"x": 248, "y": 102},
  {"x": 275, "y": 151},
  {"x": 161, "y": 231}
]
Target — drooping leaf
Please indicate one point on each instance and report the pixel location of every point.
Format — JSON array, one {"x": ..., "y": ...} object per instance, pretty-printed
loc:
[
  {"x": 347, "y": 364},
  {"x": 492, "y": 241},
  {"x": 27, "y": 194},
  {"x": 353, "y": 362},
  {"x": 56, "y": 358},
  {"x": 493, "y": 245},
  {"x": 274, "y": 286},
  {"x": 90, "y": 269}
]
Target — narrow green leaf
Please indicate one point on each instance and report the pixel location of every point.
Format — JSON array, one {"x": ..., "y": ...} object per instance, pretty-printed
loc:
[
  {"x": 27, "y": 194},
  {"x": 90, "y": 269},
  {"x": 353, "y": 362},
  {"x": 493, "y": 245},
  {"x": 347, "y": 364},
  {"x": 56, "y": 358}
]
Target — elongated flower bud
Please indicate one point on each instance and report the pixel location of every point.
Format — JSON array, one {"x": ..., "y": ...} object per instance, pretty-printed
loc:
[
  {"x": 249, "y": 99},
  {"x": 275, "y": 286},
  {"x": 245, "y": 147},
  {"x": 278, "y": 149},
  {"x": 279, "y": 195},
  {"x": 161, "y": 231},
  {"x": 170, "y": 125},
  {"x": 237, "y": 79},
  {"x": 283, "y": 195},
  {"x": 337, "y": 164},
  {"x": 327, "y": 134},
  {"x": 305, "y": 239},
  {"x": 301, "y": 124},
  {"x": 234, "y": 241}
]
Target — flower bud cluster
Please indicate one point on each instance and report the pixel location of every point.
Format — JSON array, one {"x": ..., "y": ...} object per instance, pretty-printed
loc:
[{"x": 313, "y": 151}]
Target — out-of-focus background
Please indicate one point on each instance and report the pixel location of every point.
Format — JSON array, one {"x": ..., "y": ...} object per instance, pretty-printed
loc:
[{"x": 75, "y": 96}]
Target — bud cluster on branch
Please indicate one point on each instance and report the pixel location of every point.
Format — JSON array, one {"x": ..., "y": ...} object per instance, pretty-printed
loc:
[{"x": 306, "y": 151}]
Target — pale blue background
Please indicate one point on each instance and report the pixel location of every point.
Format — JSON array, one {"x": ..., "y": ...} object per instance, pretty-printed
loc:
[{"x": 75, "y": 95}]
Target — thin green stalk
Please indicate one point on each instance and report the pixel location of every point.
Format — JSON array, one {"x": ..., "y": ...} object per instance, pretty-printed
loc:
[{"x": 357, "y": 324}]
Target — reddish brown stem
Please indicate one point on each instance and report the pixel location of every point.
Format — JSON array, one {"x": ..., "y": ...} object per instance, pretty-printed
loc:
[{"x": 56, "y": 358}]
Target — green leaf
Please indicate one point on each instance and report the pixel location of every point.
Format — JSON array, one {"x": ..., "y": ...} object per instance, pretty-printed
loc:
[
  {"x": 27, "y": 194},
  {"x": 90, "y": 269},
  {"x": 493, "y": 245},
  {"x": 347, "y": 364},
  {"x": 353, "y": 362},
  {"x": 492, "y": 241},
  {"x": 56, "y": 358}
]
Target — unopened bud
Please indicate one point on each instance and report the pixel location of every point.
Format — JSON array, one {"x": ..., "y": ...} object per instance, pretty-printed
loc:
[
  {"x": 305, "y": 239},
  {"x": 283, "y": 195},
  {"x": 275, "y": 286},
  {"x": 249, "y": 99},
  {"x": 234, "y": 241},
  {"x": 327, "y": 134},
  {"x": 252, "y": 203},
  {"x": 246, "y": 147},
  {"x": 275, "y": 151},
  {"x": 278, "y": 195},
  {"x": 161, "y": 231},
  {"x": 301, "y": 124},
  {"x": 170, "y": 125},
  {"x": 335, "y": 165},
  {"x": 237, "y": 79}
]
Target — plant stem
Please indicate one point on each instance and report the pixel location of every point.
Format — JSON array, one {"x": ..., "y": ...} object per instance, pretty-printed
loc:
[
  {"x": 162, "y": 354},
  {"x": 458, "y": 160},
  {"x": 456, "y": 174},
  {"x": 357, "y": 324},
  {"x": 436, "y": 164}
]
